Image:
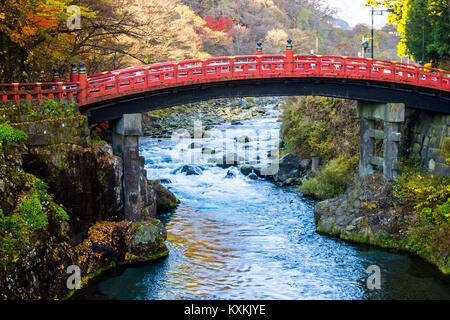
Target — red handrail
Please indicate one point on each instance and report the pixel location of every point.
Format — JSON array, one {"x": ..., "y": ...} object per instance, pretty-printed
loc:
[{"x": 111, "y": 84}]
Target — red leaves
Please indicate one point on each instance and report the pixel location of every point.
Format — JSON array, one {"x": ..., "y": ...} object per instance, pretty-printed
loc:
[
  {"x": 221, "y": 24},
  {"x": 41, "y": 21}
]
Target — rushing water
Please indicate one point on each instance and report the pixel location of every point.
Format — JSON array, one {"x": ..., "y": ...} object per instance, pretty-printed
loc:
[{"x": 237, "y": 238}]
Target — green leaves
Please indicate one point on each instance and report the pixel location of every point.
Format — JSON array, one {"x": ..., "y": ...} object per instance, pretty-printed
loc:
[
  {"x": 427, "y": 194},
  {"x": 9, "y": 136},
  {"x": 412, "y": 17}
]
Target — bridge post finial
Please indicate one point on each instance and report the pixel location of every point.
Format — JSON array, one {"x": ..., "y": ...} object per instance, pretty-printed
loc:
[
  {"x": 74, "y": 73},
  {"x": 259, "y": 49},
  {"x": 289, "y": 44},
  {"x": 83, "y": 84},
  {"x": 289, "y": 57},
  {"x": 56, "y": 77}
]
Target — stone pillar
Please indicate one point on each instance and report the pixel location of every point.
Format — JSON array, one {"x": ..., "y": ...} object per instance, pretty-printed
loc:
[
  {"x": 126, "y": 132},
  {"x": 392, "y": 114},
  {"x": 366, "y": 143},
  {"x": 315, "y": 164}
]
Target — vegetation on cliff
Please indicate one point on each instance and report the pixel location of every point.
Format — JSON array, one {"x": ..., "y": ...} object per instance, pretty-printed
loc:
[
  {"x": 410, "y": 214},
  {"x": 325, "y": 128},
  {"x": 10, "y": 135},
  {"x": 424, "y": 205}
]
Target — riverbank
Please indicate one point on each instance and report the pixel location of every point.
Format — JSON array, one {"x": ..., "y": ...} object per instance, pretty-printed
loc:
[{"x": 368, "y": 212}]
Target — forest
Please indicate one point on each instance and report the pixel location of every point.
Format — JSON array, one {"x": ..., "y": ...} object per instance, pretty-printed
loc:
[{"x": 38, "y": 36}]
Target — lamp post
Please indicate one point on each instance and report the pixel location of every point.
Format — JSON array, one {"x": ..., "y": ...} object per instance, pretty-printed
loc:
[
  {"x": 365, "y": 46},
  {"x": 378, "y": 12}
]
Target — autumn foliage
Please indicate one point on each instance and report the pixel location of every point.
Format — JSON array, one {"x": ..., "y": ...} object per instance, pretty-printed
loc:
[{"x": 221, "y": 24}]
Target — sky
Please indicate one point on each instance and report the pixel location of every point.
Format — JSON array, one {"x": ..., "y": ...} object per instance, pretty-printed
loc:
[{"x": 355, "y": 11}]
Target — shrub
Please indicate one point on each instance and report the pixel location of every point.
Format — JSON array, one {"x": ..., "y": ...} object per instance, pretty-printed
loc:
[
  {"x": 331, "y": 180},
  {"x": 10, "y": 135},
  {"x": 35, "y": 208},
  {"x": 425, "y": 193}
]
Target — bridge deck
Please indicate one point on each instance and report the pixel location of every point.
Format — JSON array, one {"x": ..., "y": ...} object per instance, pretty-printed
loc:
[{"x": 111, "y": 86}]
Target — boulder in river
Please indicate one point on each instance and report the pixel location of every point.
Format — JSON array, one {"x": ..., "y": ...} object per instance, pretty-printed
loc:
[
  {"x": 253, "y": 176},
  {"x": 246, "y": 169},
  {"x": 165, "y": 199},
  {"x": 243, "y": 139},
  {"x": 230, "y": 174},
  {"x": 195, "y": 145},
  {"x": 189, "y": 170},
  {"x": 147, "y": 238},
  {"x": 207, "y": 150},
  {"x": 288, "y": 167},
  {"x": 229, "y": 160}
]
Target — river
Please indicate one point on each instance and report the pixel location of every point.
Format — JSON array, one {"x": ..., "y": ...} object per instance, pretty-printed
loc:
[{"x": 237, "y": 238}]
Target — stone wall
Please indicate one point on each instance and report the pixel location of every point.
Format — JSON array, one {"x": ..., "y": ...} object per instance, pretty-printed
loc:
[{"x": 427, "y": 137}]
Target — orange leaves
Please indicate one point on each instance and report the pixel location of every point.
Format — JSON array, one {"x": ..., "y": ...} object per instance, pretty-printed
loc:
[{"x": 42, "y": 21}]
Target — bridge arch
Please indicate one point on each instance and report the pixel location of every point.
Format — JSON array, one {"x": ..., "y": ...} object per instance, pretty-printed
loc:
[
  {"x": 382, "y": 88},
  {"x": 361, "y": 90}
]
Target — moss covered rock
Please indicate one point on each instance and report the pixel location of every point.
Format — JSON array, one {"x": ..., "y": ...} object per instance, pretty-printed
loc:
[
  {"x": 165, "y": 199},
  {"x": 368, "y": 212}
]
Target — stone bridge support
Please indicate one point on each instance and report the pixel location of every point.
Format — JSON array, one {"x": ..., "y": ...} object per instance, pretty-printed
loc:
[
  {"x": 391, "y": 115},
  {"x": 125, "y": 140}
]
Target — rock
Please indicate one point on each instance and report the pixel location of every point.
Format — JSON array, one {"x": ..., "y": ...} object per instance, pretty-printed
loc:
[
  {"x": 246, "y": 169},
  {"x": 292, "y": 182},
  {"x": 195, "y": 145},
  {"x": 366, "y": 208},
  {"x": 230, "y": 174},
  {"x": 88, "y": 181},
  {"x": 229, "y": 160},
  {"x": 147, "y": 238},
  {"x": 288, "y": 167},
  {"x": 189, "y": 170},
  {"x": 235, "y": 122},
  {"x": 253, "y": 176},
  {"x": 305, "y": 164},
  {"x": 243, "y": 139},
  {"x": 208, "y": 151},
  {"x": 165, "y": 199}
]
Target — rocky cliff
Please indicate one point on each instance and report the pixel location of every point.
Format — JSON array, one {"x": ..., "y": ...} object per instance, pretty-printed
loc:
[{"x": 61, "y": 205}]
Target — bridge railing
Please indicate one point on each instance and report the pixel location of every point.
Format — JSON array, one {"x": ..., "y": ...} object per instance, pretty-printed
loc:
[
  {"x": 113, "y": 84},
  {"x": 38, "y": 90}
]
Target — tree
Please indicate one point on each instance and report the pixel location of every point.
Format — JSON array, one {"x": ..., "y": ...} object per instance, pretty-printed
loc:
[{"x": 415, "y": 18}]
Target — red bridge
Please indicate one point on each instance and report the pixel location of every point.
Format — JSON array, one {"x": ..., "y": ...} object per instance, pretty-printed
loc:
[
  {"x": 383, "y": 89},
  {"x": 109, "y": 95}
]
